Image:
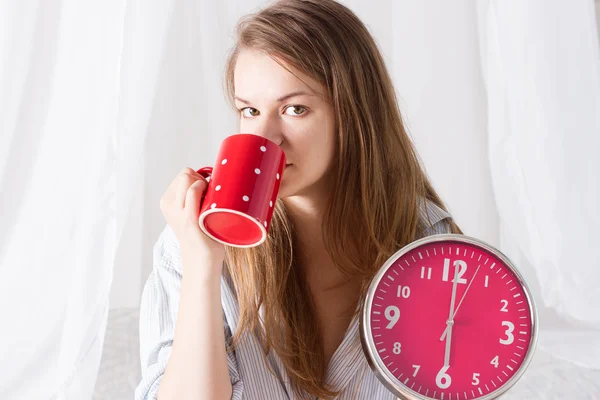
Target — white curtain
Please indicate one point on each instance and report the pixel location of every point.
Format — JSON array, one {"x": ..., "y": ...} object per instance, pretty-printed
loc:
[
  {"x": 77, "y": 80},
  {"x": 541, "y": 66}
]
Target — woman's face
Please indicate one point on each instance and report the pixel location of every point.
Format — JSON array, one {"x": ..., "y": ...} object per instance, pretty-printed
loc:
[{"x": 275, "y": 104}]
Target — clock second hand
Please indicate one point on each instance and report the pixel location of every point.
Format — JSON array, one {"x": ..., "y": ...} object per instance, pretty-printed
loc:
[{"x": 461, "y": 300}]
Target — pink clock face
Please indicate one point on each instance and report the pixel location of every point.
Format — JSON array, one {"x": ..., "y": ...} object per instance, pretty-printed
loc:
[{"x": 449, "y": 320}]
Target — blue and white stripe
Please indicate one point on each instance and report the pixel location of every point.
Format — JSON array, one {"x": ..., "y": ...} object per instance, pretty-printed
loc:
[{"x": 348, "y": 369}]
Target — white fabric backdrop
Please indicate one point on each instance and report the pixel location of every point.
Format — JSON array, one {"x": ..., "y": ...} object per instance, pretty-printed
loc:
[
  {"x": 541, "y": 64},
  {"x": 77, "y": 82},
  {"x": 82, "y": 85}
]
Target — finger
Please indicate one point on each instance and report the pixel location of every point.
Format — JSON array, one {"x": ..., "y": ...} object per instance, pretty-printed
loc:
[
  {"x": 180, "y": 186},
  {"x": 193, "y": 199}
]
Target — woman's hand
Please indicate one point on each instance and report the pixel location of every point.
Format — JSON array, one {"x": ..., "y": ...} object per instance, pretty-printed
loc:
[{"x": 180, "y": 205}]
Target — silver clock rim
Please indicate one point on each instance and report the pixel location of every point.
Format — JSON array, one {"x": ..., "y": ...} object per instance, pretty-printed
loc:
[{"x": 368, "y": 344}]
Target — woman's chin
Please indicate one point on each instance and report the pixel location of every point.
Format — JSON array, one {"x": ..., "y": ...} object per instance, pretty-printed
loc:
[{"x": 284, "y": 191}]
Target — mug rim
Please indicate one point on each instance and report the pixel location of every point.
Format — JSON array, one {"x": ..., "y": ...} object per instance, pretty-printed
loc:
[{"x": 232, "y": 211}]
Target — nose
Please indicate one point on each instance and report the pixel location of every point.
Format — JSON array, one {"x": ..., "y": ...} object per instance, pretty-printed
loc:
[{"x": 269, "y": 128}]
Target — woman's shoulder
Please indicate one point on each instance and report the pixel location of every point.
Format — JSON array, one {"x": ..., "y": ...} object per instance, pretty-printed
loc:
[
  {"x": 429, "y": 208},
  {"x": 434, "y": 219}
]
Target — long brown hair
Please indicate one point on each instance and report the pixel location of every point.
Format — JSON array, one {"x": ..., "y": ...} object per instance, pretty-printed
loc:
[{"x": 378, "y": 182}]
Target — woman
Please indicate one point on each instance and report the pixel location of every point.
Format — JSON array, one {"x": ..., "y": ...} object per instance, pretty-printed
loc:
[{"x": 307, "y": 75}]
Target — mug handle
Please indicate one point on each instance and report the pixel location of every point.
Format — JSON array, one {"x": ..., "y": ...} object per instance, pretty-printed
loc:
[{"x": 205, "y": 172}]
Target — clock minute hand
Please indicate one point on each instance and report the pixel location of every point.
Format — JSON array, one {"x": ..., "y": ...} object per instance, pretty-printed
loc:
[
  {"x": 450, "y": 320},
  {"x": 461, "y": 300}
]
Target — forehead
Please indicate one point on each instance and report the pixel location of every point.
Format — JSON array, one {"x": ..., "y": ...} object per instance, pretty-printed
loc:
[{"x": 257, "y": 74}]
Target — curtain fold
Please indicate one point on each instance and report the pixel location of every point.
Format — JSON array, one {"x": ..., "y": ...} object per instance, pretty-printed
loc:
[
  {"x": 77, "y": 81},
  {"x": 541, "y": 67}
]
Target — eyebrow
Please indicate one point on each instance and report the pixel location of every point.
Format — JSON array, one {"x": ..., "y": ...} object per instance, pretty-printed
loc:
[{"x": 282, "y": 98}]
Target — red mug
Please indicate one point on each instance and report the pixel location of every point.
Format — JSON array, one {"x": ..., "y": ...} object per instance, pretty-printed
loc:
[{"x": 242, "y": 189}]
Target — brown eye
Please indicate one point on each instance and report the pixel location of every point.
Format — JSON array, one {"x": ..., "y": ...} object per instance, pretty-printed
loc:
[
  {"x": 249, "y": 112},
  {"x": 296, "y": 110}
]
